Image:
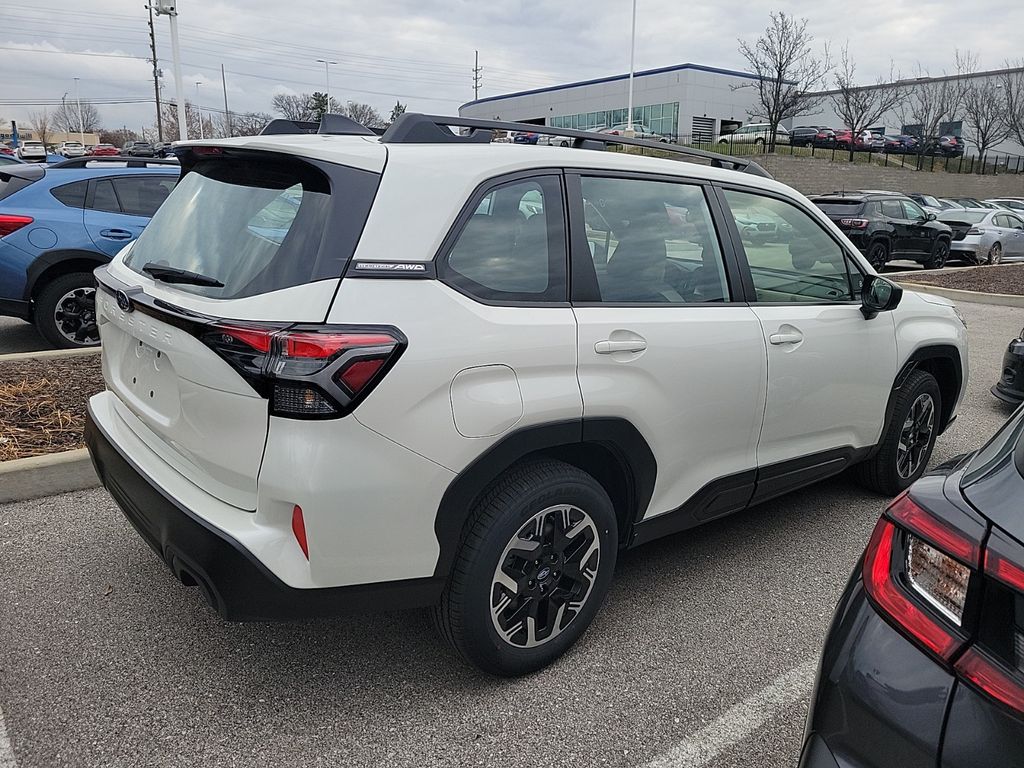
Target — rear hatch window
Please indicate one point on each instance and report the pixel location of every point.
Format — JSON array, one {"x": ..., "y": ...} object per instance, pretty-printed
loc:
[
  {"x": 256, "y": 224},
  {"x": 840, "y": 207}
]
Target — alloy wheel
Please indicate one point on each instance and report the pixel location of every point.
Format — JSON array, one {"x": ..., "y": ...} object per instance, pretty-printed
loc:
[
  {"x": 995, "y": 254},
  {"x": 877, "y": 256},
  {"x": 545, "y": 576},
  {"x": 75, "y": 316},
  {"x": 916, "y": 436}
]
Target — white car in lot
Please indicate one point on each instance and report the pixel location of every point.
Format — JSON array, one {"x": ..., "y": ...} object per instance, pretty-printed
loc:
[
  {"x": 755, "y": 133},
  {"x": 349, "y": 371},
  {"x": 71, "y": 149},
  {"x": 32, "y": 151}
]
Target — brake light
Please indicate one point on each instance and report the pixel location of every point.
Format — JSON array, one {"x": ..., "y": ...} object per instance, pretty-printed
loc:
[
  {"x": 892, "y": 602},
  {"x": 1006, "y": 571},
  {"x": 991, "y": 678},
  {"x": 308, "y": 371},
  {"x": 10, "y": 223},
  {"x": 854, "y": 223},
  {"x": 207, "y": 150},
  {"x": 975, "y": 231},
  {"x": 905, "y": 511}
]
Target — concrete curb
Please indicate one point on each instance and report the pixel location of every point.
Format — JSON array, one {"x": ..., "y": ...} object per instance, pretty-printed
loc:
[
  {"x": 48, "y": 353},
  {"x": 37, "y": 476},
  {"x": 972, "y": 297}
]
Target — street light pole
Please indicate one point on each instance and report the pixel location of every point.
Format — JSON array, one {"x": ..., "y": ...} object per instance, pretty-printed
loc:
[
  {"x": 632, "y": 51},
  {"x": 169, "y": 8},
  {"x": 199, "y": 109},
  {"x": 327, "y": 76},
  {"x": 81, "y": 127}
]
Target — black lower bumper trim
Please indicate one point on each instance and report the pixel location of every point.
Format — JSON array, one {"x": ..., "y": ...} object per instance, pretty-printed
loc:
[
  {"x": 15, "y": 308},
  {"x": 1013, "y": 398},
  {"x": 233, "y": 581}
]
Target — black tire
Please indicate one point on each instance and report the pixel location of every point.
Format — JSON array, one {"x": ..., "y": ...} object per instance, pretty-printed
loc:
[
  {"x": 878, "y": 255},
  {"x": 939, "y": 255},
  {"x": 995, "y": 254},
  {"x": 887, "y": 472},
  {"x": 464, "y": 616},
  {"x": 83, "y": 286}
]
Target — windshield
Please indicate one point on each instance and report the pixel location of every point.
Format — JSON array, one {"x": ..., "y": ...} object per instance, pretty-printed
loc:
[
  {"x": 257, "y": 224},
  {"x": 1006, "y": 443}
]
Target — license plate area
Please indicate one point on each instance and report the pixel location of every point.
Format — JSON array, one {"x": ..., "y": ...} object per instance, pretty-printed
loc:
[{"x": 148, "y": 382}]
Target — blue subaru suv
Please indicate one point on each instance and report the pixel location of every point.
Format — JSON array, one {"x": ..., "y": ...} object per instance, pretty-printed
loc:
[{"x": 57, "y": 224}]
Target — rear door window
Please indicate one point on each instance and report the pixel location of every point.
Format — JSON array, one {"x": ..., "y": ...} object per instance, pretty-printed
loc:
[
  {"x": 257, "y": 224},
  {"x": 104, "y": 198},
  {"x": 513, "y": 246},
  {"x": 142, "y": 195}
]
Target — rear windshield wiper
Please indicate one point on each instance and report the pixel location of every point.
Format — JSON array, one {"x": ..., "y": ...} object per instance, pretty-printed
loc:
[{"x": 175, "y": 275}]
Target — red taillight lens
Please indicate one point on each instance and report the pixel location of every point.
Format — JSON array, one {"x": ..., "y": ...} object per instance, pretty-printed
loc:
[
  {"x": 915, "y": 518},
  {"x": 207, "y": 151},
  {"x": 308, "y": 371},
  {"x": 890, "y": 599},
  {"x": 10, "y": 223},
  {"x": 989, "y": 676},
  {"x": 854, "y": 223},
  {"x": 299, "y": 530},
  {"x": 1006, "y": 571}
]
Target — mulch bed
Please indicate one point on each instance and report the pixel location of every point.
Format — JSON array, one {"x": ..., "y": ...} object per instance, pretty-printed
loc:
[
  {"x": 42, "y": 404},
  {"x": 1008, "y": 278}
]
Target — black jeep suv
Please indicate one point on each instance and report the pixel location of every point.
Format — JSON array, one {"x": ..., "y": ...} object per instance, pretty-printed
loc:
[{"x": 888, "y": 225}]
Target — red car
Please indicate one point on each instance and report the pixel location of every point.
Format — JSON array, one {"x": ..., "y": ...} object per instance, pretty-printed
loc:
[
  {"x": 5, "y": 150},
  {"x": 104, "y": 149}
]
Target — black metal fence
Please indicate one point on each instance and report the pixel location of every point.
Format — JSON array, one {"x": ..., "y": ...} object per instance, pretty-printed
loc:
[{"x": 933, "y": 159}]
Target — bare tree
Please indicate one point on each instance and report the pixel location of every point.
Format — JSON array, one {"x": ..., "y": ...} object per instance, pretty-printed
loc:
[
  {"x": 65, "y": 117},
  {"x": 364, "y": 114},
  {"x": 985, "y": 113},
  {"x": 210, "y": 126},
  {"x": 248, "y": 123},
  {"x": 41, "y": 124},
  {"x": 297, "y": 106},
  {"x": 787, "y": 70},
  {"x": 931, "y": 102},
  {"x": 1012, "y": 82},
  {"x": 861, "y": 106},
  {"x": 117, "y": 137},
  {"x": 396, "y": 111}
]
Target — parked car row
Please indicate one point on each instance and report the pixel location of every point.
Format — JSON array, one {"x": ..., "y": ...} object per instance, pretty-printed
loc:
[
  {"x": 889, "y": 225},
  {"x": 824, "y": 137}
]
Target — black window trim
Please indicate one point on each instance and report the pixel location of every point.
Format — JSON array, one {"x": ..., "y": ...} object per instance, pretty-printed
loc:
[
  {"x": 748, "y": 280},
  {"x": 584, "y": 287},
  {"x": 440, "y": 258}
]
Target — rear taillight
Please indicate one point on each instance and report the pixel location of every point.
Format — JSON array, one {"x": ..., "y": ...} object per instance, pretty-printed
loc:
[
  {"x": 975, "y": 231},
  {"x": 309, "y": 371},
  {"x": 961, "y": 603},
  {"x": 854, "y": 223},
  {"x": 10, "y": 223},
  {"x": 917, "y": 570}
]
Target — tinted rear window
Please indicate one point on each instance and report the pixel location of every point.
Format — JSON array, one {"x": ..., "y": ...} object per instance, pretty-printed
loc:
[
  {"x": 840, "y": 207},
  {"x": 965, "y": 217},
  {"x": 257, "y": 225}
]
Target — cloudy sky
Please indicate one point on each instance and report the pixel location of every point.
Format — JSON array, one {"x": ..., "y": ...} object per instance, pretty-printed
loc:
[{"x": 421, "y": 53}]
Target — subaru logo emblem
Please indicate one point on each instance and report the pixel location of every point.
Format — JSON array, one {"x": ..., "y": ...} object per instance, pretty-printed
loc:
[{"x": 124, "y": 302}]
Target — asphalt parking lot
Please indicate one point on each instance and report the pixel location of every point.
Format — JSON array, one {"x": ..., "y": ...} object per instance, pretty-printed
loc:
[
  {"x": 19, "y": 336},
  {"x": 702, "y": 654}
]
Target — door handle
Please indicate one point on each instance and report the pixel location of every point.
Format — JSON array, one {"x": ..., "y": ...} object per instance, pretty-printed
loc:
[
  {"x": 791, "y": 337},
  {"x": 608, "y": 346},
  {"x": 116, "y": 234}
]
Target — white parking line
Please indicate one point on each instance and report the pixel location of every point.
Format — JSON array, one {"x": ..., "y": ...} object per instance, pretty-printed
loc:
[
  {"x": 739, "y": 722},
  {"x": 6, "y": 753}
]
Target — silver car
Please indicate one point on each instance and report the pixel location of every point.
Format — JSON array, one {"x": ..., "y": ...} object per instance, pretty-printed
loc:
[
  {"x": 640, "y": 131},
  {"x": 985, "y": 237}
]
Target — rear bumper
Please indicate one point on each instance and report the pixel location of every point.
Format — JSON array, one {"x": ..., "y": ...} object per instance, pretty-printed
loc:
[
  {"x": 1010, "y": 387},
  {"x": 235, "y": 583}
]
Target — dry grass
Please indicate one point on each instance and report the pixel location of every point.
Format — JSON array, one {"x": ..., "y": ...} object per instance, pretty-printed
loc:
[{"x": 42, "y": 404}]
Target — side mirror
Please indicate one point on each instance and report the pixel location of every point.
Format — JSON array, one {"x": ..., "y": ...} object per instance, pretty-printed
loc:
[
  {"x": 878, "y": 295},
  {"x": 931, "y": 217}
]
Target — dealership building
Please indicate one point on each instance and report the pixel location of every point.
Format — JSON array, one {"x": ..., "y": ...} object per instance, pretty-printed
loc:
[{"x": 679, "y": 101}]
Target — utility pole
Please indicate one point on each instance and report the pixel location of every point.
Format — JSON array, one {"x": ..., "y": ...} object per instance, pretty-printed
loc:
[
  {"x": 227, "y": 114},
  {"x": 169, "y": 8},
  {"x": 199, "y": 109},
  {"x": 156, "y": 76},
  {"x": 632, "y": 51},
  {"x": 81, "y": 126},
  {"x": 327, "y": 77},
  {"x": 476, "y": 74}
]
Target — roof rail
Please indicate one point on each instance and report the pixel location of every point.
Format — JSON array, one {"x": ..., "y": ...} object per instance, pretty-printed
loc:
[
  {"x": 330, "y": 124},
  {"x": 126, "y": 160},
  {"x": 412, "y": 128}
]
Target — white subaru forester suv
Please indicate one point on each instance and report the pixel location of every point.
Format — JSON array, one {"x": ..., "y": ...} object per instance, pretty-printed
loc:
[{"x": 349, "y": 371}]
